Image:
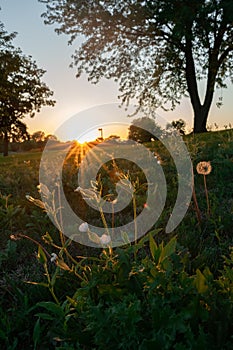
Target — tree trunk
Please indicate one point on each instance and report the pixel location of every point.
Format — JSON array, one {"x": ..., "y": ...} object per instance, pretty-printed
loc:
[
  {"x": 201, "y": 111},
  {"x": 200, "y": 120},
  {"x": 5, "y": 144}
]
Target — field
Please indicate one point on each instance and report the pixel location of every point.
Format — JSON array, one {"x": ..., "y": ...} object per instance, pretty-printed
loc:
[{"x": 164, "y": 291}]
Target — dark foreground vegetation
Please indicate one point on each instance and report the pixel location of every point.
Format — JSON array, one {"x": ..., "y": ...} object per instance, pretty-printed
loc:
[{"x": 166, "y": 291}]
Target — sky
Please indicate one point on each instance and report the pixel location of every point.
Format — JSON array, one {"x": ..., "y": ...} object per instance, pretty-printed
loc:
[{"x": 78, "y": 97}]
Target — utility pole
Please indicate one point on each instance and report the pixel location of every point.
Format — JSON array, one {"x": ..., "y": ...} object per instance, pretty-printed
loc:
[{"x": 101, "y": 133}]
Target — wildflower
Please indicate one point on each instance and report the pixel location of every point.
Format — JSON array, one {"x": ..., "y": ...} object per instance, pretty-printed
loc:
[
  {"x": 105, "y": 239},
  {"x": 204, "y": 168},
  {"x": 84, "y": 227},
  {"x": 53, "y": 257}
]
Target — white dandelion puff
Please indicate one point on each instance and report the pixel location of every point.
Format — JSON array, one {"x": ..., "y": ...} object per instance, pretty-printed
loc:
[
  {"x": 53, "y": 257},
  {"x": 84, "y": 227},
  {"x": 105, "y": 239}
]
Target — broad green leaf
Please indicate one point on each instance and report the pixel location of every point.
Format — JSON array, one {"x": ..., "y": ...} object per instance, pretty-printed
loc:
[{"x": 52, "y": 307}]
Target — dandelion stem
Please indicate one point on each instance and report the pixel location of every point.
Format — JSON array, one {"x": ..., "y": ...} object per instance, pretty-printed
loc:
[
  {"x": 207, "y": 197},
  {"x": 197, "y": 210}
]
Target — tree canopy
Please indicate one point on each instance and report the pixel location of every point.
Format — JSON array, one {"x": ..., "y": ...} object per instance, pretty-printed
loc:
[
  {"x": 144, "y": 130},
  {"x": 22, "y": 92},
  {"x": 156, "y": 50},
  {"x": 178, "y": 125}
]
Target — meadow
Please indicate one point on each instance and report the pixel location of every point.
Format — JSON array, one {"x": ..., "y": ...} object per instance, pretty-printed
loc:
[{"x": 164, "y": 291}]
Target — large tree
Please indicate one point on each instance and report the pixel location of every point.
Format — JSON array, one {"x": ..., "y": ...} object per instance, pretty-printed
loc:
[
  {"x": 156, "y": 50},
  {"x": 22, "y": 91},
  {"x": 144, "y": 130}
]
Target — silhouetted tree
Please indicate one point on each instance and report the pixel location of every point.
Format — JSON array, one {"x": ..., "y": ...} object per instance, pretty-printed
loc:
[
  {"x": 144, "y": 130},
  {"x": 178, "y": 125},
  {"x": 51, "y": 137},
  {"x": 38, "y": 136},
  {"x": 156, "y": 50},
  {"x": 22, "y": 92}
]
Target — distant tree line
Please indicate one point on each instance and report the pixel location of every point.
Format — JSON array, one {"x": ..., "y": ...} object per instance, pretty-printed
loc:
[{"x": 23, "y": 141}]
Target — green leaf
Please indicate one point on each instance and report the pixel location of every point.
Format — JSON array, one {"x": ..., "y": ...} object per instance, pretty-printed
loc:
[
  {"x": 36, "y": 333},
  {"x": 41, "y": 255},
  {"x": 145, "y": 238},
  {"x": 200, "y": 282},
  {"x": 110, "y": 290},
  {"x": 93, "y": 237},
  {"x": 168, "y": 250},
  {"x": 45, "y": 316},
  {"x": 153, "y": 246},
  {"x": 52, "y": 307},
  {"x": 125, "y": 237}
]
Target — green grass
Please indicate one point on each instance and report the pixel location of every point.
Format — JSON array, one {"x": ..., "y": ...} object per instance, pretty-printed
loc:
[{"x": 168, "y": 291}]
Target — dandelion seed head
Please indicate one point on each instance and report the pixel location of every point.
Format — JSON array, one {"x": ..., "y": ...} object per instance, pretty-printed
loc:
[
  {"x": 84, "y": 227},
  {"x": 53, "y": 257},
  {"x": 204, "y": 168},
  {"x": 105, "y": 239}
]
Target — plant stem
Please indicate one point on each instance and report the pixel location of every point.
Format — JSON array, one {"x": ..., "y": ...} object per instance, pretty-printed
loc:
[
  {"x": 15, "y": 237},
  {"x": 51, "y": 289},
  {"x": 113, "y": 220},
  {"x": 135, "y": 217},
  {"x": 207, "y": 197},
  {"x": 103, "y": 220},
  {"x": 197, "y": 210}
]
